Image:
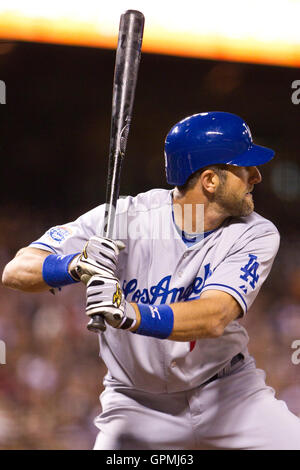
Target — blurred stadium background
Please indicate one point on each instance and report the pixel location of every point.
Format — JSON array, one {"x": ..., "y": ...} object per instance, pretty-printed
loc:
[{"x": 57, "y": 63}]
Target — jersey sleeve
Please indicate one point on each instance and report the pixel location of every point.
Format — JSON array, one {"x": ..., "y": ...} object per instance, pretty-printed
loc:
[
  {"x": 71, "y": 237},
  {"x": 242, "y": 273}
]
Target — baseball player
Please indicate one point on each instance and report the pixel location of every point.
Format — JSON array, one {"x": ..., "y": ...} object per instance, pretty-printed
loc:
[{"x": 187, "y": 265}]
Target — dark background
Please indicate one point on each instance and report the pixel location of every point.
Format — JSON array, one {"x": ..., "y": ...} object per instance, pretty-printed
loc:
[{"x": 54, "y": 140}]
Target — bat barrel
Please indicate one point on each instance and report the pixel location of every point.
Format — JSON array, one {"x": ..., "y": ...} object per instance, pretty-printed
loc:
[
  {"x": 126, "y": 71},
  {"x": 125, "y": 77}
]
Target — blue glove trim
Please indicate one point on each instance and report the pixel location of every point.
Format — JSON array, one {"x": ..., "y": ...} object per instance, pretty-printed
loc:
[
  {"x": 156, "y": 321},
  {"x": 55, "y": 270}
]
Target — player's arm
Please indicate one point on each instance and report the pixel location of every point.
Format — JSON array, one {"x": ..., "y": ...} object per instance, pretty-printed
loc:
[
  {"x": 206, "y": 317},
  {"x": 27, "y": 270},
  {"x": 36, "y": 270},
  {"x": 24, "y": 271}
]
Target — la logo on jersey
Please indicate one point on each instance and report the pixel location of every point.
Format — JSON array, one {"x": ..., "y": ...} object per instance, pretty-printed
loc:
[{"x": 250, "y": 273}]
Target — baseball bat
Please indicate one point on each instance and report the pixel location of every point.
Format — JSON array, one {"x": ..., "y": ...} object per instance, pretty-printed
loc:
[{"x": 125, "y": 77}]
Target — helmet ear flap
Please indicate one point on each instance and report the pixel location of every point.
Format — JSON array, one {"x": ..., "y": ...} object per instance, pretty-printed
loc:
[{"x": 210, "y": 138}]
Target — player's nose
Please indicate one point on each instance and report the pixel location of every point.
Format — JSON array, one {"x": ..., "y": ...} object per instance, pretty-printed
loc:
[{"x": 254, "y": 175}]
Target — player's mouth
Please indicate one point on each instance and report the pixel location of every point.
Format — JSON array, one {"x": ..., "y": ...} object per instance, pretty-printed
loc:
[{"x": 249, "y": 192}]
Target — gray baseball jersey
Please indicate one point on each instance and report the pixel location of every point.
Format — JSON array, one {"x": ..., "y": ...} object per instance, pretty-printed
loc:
[{"x": 159, "y": 267}]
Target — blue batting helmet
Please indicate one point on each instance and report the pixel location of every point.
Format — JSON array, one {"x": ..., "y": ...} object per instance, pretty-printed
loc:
[{"x": 208, "y": 139}]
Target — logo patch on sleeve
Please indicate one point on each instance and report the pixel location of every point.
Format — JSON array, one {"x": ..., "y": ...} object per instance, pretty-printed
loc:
[{"x": 59, "y": 233}]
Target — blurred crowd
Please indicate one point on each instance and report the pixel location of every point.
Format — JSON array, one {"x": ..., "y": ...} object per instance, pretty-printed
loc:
[
  {"x": 52, "y": 378},
  {"x": 50, "y": 383}
]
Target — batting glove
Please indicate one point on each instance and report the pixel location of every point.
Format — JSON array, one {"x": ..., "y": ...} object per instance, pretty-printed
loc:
[
  {"x": 99, "y": 256},
  {"x": 105, "y": 297}
]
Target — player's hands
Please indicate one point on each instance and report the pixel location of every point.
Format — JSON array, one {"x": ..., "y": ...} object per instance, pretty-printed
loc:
[
  {"x": 105, "y": 297},
  {"x": 99, "y": 256}
]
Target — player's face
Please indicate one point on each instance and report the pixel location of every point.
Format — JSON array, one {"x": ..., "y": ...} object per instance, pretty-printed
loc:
[{"x": 234, "y": 195}]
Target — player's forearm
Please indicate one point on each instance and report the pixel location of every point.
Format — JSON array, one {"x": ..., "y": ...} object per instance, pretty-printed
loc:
[
  {"x": 192, "y": 321},
  {"x": 24, "y": 272},
  {"x": 198, "y": 319}
]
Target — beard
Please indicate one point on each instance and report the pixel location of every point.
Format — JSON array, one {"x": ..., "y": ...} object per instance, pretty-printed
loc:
[{"x": 234, "y": 205}]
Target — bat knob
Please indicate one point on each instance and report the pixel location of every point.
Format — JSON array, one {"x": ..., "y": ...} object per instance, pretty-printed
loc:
[{"x": 96, "y": 324}]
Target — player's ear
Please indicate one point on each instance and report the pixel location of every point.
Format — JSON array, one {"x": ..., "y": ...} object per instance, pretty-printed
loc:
[{"x": 209, "y": 180}]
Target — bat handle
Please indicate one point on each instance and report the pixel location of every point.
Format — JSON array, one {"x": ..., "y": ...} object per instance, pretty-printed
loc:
[{"x": 96, "y": 324}]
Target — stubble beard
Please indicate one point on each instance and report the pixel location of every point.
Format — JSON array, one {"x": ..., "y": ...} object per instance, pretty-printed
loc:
[{"x": 232, "y": 204}]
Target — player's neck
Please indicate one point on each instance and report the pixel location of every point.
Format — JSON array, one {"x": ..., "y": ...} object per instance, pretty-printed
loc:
[{"x": 196, "y": 212}]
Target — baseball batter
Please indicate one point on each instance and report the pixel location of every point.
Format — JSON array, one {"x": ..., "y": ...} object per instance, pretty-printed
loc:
[{"x": 187, "y": 265}]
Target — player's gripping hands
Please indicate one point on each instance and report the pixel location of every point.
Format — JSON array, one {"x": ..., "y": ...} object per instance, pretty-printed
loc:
[
  {"x": 99, "y": 256},
  {"x": 96, "y": 267},
  {"x": 105, "y": 297}
]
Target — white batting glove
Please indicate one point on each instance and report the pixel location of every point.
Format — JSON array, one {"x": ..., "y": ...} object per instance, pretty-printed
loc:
[
  {"x": 105, "y": 297},
  {"x": 99, "y": 256}
]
